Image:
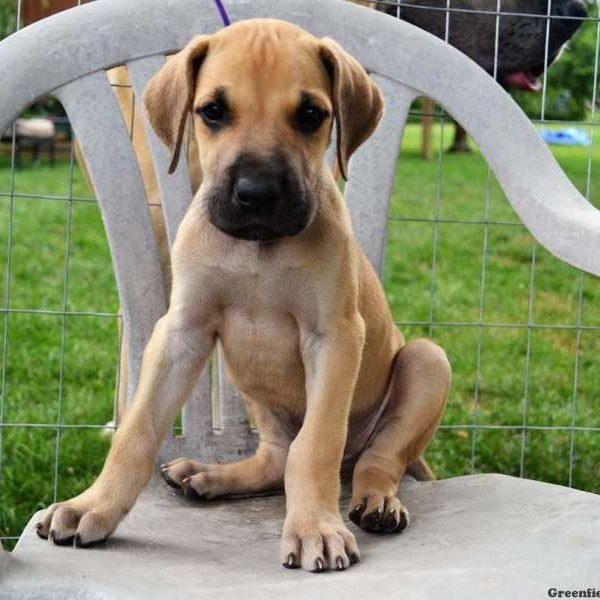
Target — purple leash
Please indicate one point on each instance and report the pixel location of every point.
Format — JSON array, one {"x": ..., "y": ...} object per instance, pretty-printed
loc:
[{"x": 223, "y": 13}]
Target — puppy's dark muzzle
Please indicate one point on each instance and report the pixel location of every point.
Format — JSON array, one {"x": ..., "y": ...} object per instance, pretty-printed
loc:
[
  {"x": 260, "y": 202},
  {"x": 256, "y": 199}
]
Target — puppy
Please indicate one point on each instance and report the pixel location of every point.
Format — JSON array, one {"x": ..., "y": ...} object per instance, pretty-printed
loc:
[
  {"x": 265, "y": 261},
  {"x": 522, "y": 48}
]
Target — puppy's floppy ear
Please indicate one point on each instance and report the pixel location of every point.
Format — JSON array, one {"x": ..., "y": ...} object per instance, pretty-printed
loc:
[
  {"x": 169, "y": 95},
  {"x": 357, "y": 101}
]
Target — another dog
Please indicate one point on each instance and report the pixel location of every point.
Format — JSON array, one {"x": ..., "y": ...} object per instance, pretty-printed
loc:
[
  {"x": 522, "y": 53},
  {"x": 265, "y": 261}
]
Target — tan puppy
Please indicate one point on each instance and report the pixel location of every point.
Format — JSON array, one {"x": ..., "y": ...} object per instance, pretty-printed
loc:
[{"x": 265, "y": 261}]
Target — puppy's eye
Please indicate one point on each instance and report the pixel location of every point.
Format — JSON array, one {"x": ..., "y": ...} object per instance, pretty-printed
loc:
[
  {"x": 213, "y": 114},
  {"x": 309, "y": 118}
]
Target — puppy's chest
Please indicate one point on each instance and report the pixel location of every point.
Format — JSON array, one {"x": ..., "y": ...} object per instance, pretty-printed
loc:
[
  {"x": 262, "y": 315},
  {"x": 263, "y": 284},
  {"x": 262, "y": 311}
]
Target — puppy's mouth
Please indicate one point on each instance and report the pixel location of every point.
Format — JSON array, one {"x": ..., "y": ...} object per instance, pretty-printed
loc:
[
  {"x": 255, "y": 233},
  {"x": 266, "y": 229}
]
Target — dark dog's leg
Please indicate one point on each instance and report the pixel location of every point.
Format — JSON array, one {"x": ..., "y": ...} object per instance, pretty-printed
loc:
[
  {"x": 461, "y": 141},
  {"x": 419, "y": 391}
]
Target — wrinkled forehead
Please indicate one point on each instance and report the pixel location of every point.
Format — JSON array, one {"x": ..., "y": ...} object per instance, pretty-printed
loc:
[{"x": 264, "y": 57}]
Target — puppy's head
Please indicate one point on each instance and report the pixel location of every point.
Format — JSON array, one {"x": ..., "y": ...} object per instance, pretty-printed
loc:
[{"x": 263, "y": 95}]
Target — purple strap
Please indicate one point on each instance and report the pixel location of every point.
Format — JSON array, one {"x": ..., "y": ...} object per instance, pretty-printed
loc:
[{"x": 223, "y": 13}]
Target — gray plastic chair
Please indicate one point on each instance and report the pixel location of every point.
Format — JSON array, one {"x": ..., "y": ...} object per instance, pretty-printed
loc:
[{"x": 488, "y": 534}]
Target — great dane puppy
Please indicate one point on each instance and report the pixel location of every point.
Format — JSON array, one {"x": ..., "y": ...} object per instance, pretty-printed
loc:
[
  {"x": 522, "y": 51},
  {"x": 265, "y": 260}
]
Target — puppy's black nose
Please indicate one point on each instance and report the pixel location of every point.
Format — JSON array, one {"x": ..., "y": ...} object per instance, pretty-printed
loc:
[
  {"x": 562, "y": 29},
  {"x": 257, "y": 193}
]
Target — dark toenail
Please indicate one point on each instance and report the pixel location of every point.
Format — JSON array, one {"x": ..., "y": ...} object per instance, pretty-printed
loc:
[
  {"x": 356, "y": 513},
  {"x": 59, "y": 542},
  {"x": 170, "y": 482},
  {"x": 319, "y": 565},
  {"x": 77, "y": 543},
  {"x": 38, "y": 530},
  {"x": 371, "y": 521},
  {"x": 390, "y": 522},
  {"x": 403, "y": 521},
  {"x": 188, "y": 490},
  {"x": 339, "y": 561},
  {"x": 68, "y": 541},
  {"x": 290, "y": 563},
  {"x": 354, "y": 558}
]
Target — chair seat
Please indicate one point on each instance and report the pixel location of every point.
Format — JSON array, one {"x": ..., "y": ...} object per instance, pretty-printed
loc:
[{"x": 471, "y": 536}]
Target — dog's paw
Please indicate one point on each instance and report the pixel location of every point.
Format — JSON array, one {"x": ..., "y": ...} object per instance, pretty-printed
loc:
[
  {"x": 194, "y": 479},
  {"x": 317, "y": 543},
  {"x": 379, "y": 514},
  {"x": 84, "y": 521}
]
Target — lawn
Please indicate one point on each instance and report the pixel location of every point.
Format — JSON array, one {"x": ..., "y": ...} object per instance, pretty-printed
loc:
[{"x": 526, "y": 374}]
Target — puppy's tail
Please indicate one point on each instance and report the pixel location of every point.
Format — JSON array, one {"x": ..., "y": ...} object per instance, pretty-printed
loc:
[{"x": 420, "y": 470}]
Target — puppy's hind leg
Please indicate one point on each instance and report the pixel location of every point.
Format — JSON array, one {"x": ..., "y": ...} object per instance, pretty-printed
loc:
[
  {"x": 262, "y": 472},
  {"x": 419, "y": 390}
]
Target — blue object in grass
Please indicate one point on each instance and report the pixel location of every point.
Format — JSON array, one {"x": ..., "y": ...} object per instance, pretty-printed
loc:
[{"x": 573, "y": 136}]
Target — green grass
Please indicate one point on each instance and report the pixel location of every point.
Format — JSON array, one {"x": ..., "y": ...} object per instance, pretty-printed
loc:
[
  {"x": 33, "y": 363},
  {"x": 498, "y": 396},
  {"x": 34, "y": 341}
]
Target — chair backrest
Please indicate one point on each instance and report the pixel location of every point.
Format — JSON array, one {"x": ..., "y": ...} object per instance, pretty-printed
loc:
[{"x": 68, "y": 54}]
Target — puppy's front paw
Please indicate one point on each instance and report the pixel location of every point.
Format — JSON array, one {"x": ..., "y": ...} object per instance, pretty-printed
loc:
[
  {"x": 83, "y": 521},
  {"x": 379, "y": 514},
  {"x": 317, "y": 542}
]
